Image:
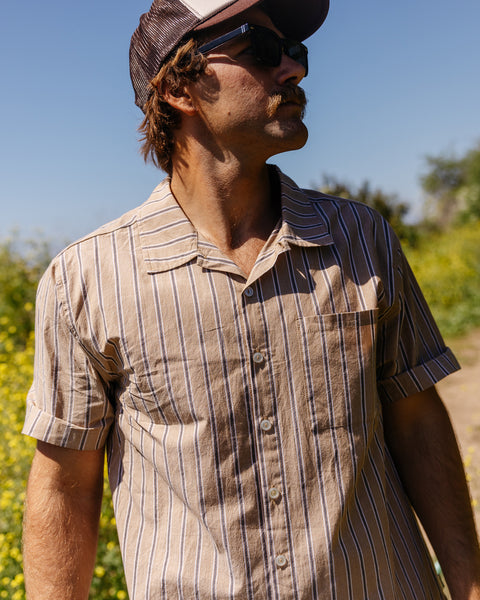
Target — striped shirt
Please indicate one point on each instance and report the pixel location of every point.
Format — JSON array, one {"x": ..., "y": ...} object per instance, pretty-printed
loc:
[{"x": 243, "y": 416}]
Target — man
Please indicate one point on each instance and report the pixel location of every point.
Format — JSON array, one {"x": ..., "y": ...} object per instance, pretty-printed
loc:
[{"x": 258, "y": 359}]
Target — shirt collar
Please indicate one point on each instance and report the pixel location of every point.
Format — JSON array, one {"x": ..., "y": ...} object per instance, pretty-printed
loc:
[
  {"x": 167, "y": 237},
  {"x": 302, "y": 224},
  {"x": 169, "y": 240}
]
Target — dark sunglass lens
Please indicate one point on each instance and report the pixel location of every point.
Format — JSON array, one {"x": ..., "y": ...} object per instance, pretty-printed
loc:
[
  {"x": 267, "y": 47},
  {"x": 297, "y": 52}
]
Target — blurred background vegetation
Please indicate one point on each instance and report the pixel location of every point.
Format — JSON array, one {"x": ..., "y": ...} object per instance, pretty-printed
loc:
[{"x": 443, "y": 249}]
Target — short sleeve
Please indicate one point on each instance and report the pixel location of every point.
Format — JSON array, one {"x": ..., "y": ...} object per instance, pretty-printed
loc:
[
  {"x": 411, "y": 353},
  {"x": 68, "y": 403}
]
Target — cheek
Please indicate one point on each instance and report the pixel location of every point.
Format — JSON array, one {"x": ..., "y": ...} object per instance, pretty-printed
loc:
[
  {"x": 243, "y": 89},
  {"x": 243, "y": 104}
]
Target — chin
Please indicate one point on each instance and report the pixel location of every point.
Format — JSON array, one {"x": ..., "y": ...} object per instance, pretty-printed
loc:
[{"x": 292, "y": 137}]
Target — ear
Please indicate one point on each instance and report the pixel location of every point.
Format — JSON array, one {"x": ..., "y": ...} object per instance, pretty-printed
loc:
[{"x": 181, "y": 99}]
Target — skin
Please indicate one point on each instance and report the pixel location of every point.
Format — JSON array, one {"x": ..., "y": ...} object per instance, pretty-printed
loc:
[
  {"x": 228, "y": 131},
  {"x": 62, "y": 510},
  {"x": 420, "y": 437}
]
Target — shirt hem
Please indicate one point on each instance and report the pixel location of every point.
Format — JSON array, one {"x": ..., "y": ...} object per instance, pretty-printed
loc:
[{"x": 52, "y": 430}]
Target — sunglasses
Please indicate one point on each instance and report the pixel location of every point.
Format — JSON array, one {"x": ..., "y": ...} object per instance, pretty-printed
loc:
[{"x": 267, "y": 46}]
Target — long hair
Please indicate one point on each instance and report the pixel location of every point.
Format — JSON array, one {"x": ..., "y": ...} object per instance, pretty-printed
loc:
[{"x": 157, "y": 128}]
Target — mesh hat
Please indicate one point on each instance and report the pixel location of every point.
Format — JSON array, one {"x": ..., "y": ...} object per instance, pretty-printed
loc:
[{"x": 168, "y": 21}]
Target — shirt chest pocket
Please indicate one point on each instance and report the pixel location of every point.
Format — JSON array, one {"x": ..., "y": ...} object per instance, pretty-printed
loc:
[{"x": 339, "y": 372}]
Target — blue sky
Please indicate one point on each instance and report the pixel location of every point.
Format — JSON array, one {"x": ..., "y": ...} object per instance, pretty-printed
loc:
[{"x": 389, "y": 83}]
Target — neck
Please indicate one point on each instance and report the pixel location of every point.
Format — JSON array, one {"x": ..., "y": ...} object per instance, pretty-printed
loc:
[{"x": 229, "y": 203}]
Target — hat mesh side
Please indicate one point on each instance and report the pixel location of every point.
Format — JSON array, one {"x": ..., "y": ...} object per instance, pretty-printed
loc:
[{"x": 167, "y": 20}]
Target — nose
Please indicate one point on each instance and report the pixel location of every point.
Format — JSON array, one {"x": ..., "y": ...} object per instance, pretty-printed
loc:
[{"x": 290, "y": 70}]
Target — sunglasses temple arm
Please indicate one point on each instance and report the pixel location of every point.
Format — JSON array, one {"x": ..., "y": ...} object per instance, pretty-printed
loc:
[{"x": 217, "y": 42}]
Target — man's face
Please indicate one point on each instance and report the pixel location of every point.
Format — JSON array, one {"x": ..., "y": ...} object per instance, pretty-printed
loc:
[{"x": 245, "y": 108}]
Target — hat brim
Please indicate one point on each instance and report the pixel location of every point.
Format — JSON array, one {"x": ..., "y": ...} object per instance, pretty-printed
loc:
[{"x": 296, "y": 20}]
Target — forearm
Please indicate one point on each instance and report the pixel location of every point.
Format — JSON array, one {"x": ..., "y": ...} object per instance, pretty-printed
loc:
[
  {"x": 430, "y": 466},
  {"x": 435, "y": 483},
  {"x": 60, "y": 537}
]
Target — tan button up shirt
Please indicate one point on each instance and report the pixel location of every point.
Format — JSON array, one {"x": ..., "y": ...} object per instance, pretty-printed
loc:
[{"x": 243, "y": 416}]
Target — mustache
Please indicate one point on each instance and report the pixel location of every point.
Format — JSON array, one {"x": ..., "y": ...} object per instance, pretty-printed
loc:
[{"x": 289, "y": 94}]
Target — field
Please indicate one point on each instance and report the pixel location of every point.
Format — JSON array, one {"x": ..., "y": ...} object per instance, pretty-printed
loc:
[{"x": 448, "y": 268}]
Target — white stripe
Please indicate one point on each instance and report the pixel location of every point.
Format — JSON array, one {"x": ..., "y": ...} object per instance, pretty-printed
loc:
[{"x": 205, "y": 8}]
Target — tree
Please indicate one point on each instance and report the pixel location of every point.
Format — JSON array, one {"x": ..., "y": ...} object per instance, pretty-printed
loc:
[
  {"x": 452, "y": 185},
  {"x": 387, "y": 205}
]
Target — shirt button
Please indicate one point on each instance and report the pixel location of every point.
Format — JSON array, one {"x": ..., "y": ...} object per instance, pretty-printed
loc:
[
  {"x": 258, "y": 358},
  {"x": 274, "y": 493},
  {"x": 266, "y": 425},
  {"x": 249, "y": 292},
  {"x": 281, "y": 560}
]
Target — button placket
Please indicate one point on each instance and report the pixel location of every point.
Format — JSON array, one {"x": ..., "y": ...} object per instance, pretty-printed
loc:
[{"x": 265, "y": 438}]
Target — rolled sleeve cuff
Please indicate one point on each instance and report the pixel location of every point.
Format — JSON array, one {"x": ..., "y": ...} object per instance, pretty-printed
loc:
[
  {"x": 52, "y": 430},
  {"x": 418, "y": 378}
]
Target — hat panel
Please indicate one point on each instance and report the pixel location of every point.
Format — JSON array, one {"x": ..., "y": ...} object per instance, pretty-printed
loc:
[
  {"x": 225, "y": 11},
  {"x": 158, "y": 33},
  {"x": 205, "y": 8}
]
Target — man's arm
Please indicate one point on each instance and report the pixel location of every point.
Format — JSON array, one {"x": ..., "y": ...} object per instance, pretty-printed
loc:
[
  {"x": 421, "y": 440},
  {"x": 62, "y": 511}
]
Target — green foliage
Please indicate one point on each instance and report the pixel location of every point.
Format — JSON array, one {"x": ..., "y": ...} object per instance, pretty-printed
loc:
[
  {"x": 387, "y": 205},
  {"x": 19, "y": 274},
  {"x": 452, "y": 185},
  {"x": 447, "y": 266},
  {"x": 16, "y": 451}
]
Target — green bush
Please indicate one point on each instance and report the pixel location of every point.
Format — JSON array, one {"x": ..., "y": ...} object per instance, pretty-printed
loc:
[
  {"x": 20, "y": 270},
  {"x": 15, "y": 455},
  {"x": 447, "y": 266}
]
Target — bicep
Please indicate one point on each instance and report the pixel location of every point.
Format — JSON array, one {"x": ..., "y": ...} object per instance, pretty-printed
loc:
[
  {"x": 419, "y": 435},
  {"x": 407, "y": 418}
]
